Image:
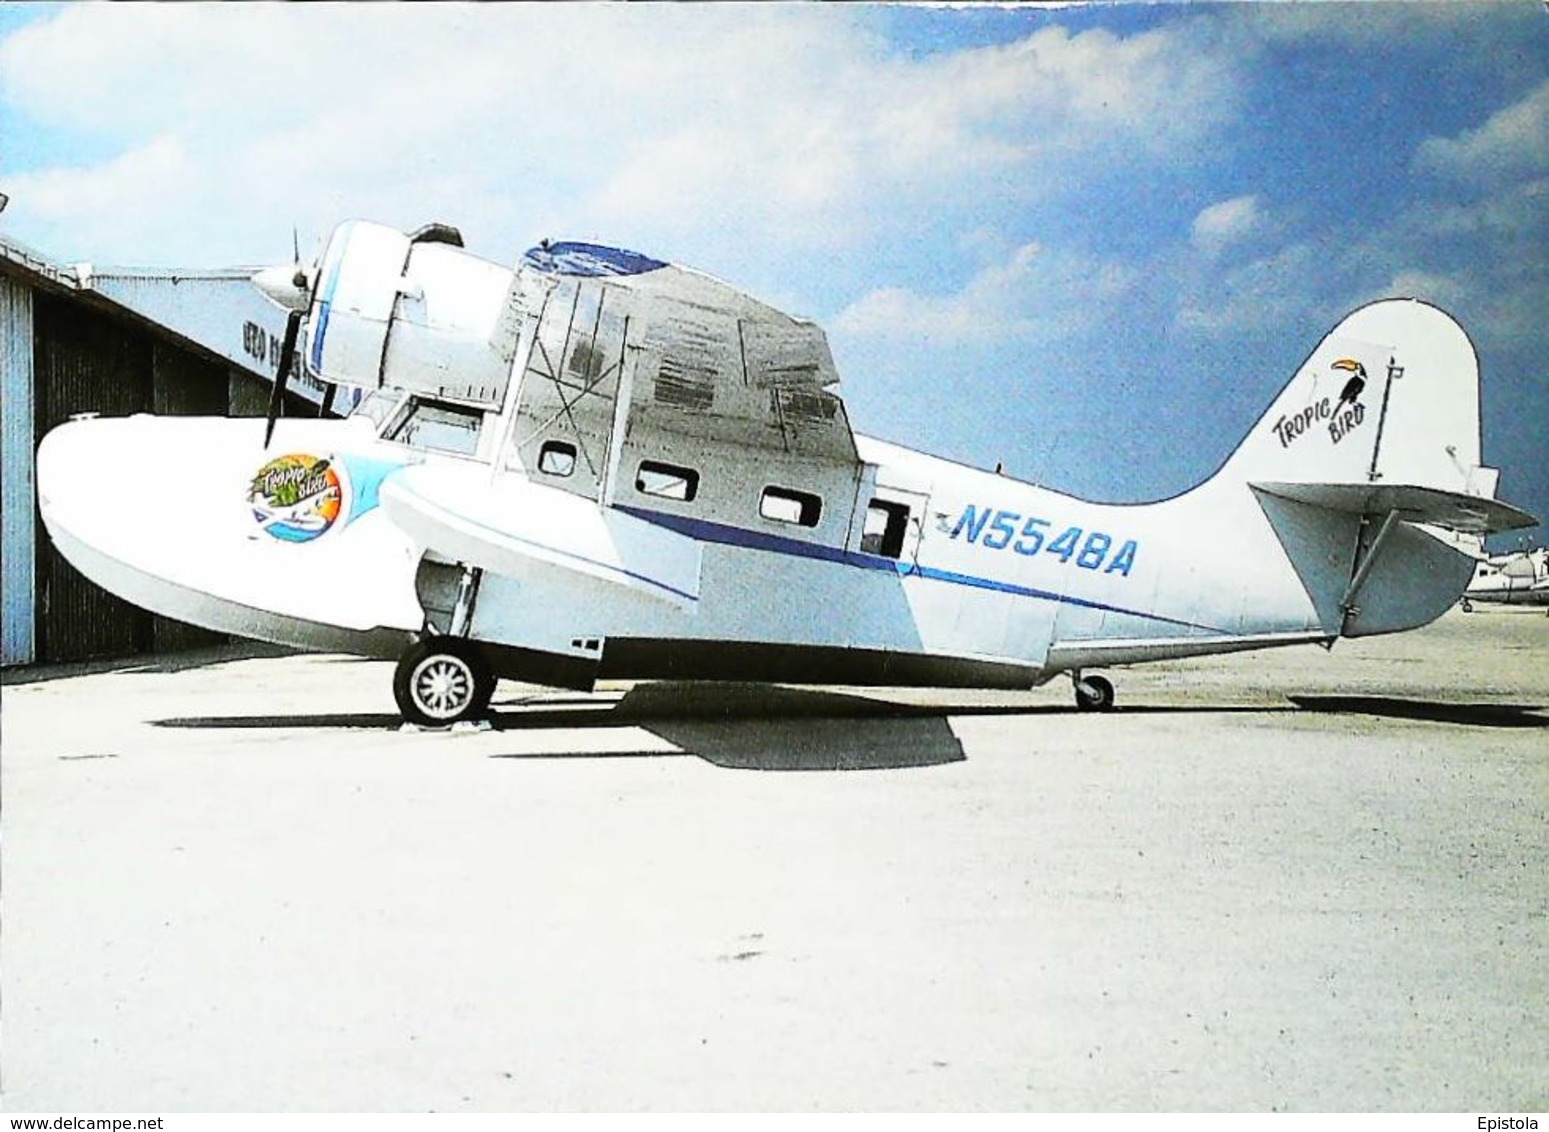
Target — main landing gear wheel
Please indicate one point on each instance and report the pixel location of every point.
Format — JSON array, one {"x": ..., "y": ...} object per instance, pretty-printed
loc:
[
  {"x": 442, "y": 680},
  {"x": 1093, "y": 693}
]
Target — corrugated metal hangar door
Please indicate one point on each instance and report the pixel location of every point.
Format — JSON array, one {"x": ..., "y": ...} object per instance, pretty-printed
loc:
[{"x": 87, "y": 362}]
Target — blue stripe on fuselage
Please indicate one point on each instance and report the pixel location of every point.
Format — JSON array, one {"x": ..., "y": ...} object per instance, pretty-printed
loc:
[
  {"x": 707, "y": 531},
  {"x": 325, "y": 304}
]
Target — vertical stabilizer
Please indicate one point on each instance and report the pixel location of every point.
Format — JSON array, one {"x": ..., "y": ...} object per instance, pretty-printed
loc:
[{"x": 1391, "y": 396}]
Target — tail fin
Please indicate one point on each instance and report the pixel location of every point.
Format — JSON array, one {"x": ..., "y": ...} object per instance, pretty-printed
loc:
[
  {"x": 1382, "y": 417},
  {"x": 1373, "y": 442}
]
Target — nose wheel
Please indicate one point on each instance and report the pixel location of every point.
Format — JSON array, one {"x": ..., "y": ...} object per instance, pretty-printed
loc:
[
  {"x": 442, "y": 680},
  {"x": 1093, "y": 693}
]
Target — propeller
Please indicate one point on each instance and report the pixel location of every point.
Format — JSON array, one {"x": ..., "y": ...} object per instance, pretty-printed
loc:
[
  {"x": 289, "y": 286},
  {"x": 287, "y": 355}
]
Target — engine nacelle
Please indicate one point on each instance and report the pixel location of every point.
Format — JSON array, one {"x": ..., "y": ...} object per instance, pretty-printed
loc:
[{"x": 390, "y": 311}]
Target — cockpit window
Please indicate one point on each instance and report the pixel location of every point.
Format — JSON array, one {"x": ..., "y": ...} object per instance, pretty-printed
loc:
[{"x": 439, "y": 427}]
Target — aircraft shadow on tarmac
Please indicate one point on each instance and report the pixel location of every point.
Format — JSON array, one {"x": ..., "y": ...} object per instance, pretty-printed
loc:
[
  {"x": 741, "y": 727},
  {"x": 707, "y": 702},
  {"x": 1428, "y": 711},
  {"x": 756, "y": 727},
  {"x": 763, "y": 727}
]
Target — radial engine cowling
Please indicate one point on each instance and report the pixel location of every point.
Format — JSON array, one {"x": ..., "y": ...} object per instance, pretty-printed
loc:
[{"x": 390, "y": 311}]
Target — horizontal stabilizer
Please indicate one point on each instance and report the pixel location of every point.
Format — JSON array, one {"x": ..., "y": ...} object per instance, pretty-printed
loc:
[
  {"x": 1471, "y": 514},
  {"x": 512, "y": 526}
]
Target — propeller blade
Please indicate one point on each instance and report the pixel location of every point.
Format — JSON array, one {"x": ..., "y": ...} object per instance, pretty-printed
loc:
[{"x": 287, "y": 353}]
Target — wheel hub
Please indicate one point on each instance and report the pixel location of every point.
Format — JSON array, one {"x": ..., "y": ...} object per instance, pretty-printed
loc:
[{"x": 443, "y": 686}]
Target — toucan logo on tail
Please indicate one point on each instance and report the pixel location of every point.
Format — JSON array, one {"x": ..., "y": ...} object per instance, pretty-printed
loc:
[
  {"x": 1344, "y": 419},
  {"x": 1353, "y": 387}
]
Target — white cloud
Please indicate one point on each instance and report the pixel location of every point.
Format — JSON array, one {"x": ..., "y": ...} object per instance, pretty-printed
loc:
[
  {"x": 697, "y": 127},
  {"x": 1471, "y": 244},
  {"x": 1035, "y": 294},
  {"x": 1261, "y": 296},
  {"x": 1513, "y": 143},
  {"x": 1499, "y": 312},
  {"x": 1226, "y": 222},
  {"x": 1482, "y": 258},
  {"x": 1480, "y": 262},
  {"x": 1446, "y": 291},
  {"x": 933, "y": 136},
  {"x": 1514, "y": 219},
  {"x": 155, "y": 180}
]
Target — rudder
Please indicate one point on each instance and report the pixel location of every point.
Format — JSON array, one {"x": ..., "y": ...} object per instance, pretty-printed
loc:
[{"x": 1390, "y": 395}]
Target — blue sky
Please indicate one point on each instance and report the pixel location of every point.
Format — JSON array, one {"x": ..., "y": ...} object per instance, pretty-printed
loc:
[{"x": 1088, "y": 242}]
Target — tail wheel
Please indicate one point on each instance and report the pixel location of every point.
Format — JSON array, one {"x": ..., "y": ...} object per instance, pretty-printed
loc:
[
  {"x": 441, "y": 681},
  {"x": 1093, "y": 693}
]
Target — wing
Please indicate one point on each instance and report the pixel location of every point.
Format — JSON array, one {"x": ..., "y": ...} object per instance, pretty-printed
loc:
[{"x": 516, "y": 527}]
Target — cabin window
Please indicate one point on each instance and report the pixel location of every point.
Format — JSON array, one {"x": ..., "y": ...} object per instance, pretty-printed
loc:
[
  {"x": 557, "y": 458},
  {"x": 886, "y": 523},
  {"x": 786, "y": 506},
  {"x": 667, "y": 480},
  {"x": 440, "y": 427}
]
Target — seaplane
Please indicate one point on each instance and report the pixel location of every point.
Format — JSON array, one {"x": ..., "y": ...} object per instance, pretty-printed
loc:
[{"x": 597, "y": 465}]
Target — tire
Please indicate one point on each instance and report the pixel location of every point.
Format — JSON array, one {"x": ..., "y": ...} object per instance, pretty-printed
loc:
[
  {"x": 1100, "y": 696},
  {"x": 441, "y": 681}
]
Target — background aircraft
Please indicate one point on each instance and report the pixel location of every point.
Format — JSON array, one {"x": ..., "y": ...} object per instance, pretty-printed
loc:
[
  {"x": 600, "y": 465},
  {"x": 1521, "y": 578}
]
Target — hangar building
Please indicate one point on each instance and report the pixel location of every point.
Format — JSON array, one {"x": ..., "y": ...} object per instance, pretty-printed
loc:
[{"x": 112, "y": 340}]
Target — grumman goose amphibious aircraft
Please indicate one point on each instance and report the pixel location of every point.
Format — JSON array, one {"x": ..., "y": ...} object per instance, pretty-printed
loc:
[{"x": 599, "y": 465}]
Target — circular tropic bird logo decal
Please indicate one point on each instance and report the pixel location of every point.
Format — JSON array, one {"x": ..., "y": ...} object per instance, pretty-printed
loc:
[{"x": 296, "y": 498}]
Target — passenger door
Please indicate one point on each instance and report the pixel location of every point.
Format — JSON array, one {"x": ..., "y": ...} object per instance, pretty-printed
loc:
[{"x": 892, "y": 522}]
